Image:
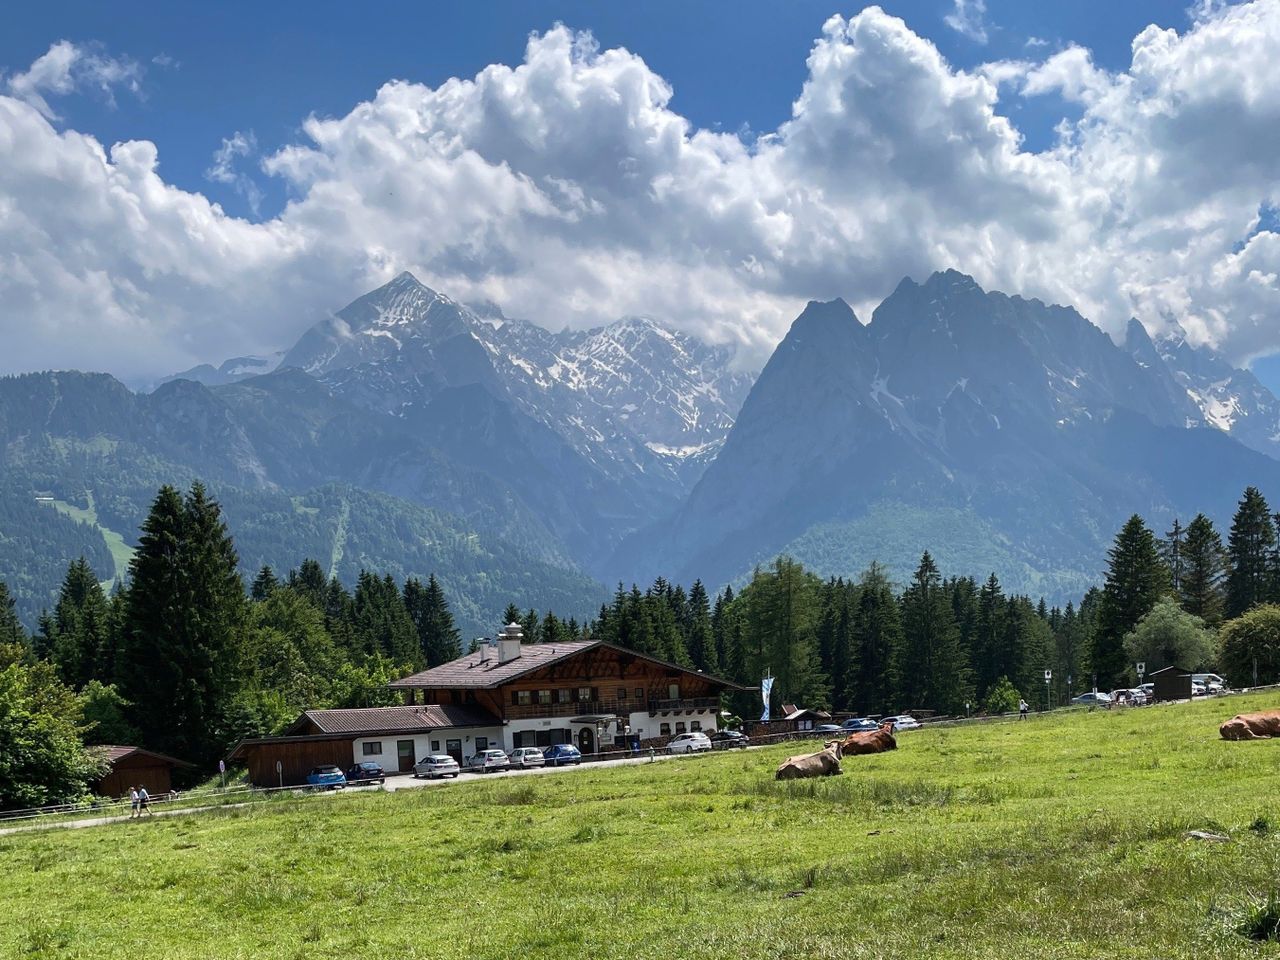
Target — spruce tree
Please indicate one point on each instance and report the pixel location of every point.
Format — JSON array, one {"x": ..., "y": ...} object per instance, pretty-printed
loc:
[
  {"x": 310, "y": 582},
  {"x": 1204, "y": 571},
  {"x": 11, "y": 630},
  {"x": 931, "y": 667},
  {"x": 1173, "y": 553},
  {"x": 702, "y": 641},
  {"x": 511, "y": 615},
  {"x": 1249, "y": 546},
  {"x": 1136, "y": 579},
  {"x": 185, "y": 612},
  {"x": 263, "y": 583},
  {"x": 990, "y": 656},
  {"x": 80, "y": 626},
  {"x": 876, "y": 637},
  {"x": 428, "y": 608}
]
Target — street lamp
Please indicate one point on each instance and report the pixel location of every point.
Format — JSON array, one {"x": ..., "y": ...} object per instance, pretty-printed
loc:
[
  {"x": 1048, "y": 675},
  {"x": 1141, "y": 667}
]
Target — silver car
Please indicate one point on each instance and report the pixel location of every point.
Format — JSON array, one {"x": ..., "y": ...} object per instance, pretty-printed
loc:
[
  {"x": 436, "y": 766},
  {"x": 488, "y": 761},
  {"x": 526, "y": 757}
]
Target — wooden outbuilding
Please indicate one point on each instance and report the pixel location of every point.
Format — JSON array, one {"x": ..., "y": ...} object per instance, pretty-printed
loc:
[
  {"x": 135, "y": 767},
  {"x": 1171, "y": 683}
]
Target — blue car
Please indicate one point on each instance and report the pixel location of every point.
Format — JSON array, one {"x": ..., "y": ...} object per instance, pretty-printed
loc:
[
  {"x": 326, "y": 777},
  {"x": 561, "y": 754},
  {"x": 859, "y": 725}
]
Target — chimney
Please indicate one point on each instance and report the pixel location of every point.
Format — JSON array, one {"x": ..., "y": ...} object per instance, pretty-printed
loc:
[
  {"x": 509, "y": 641},
  {"x": 485, "y": 648}
]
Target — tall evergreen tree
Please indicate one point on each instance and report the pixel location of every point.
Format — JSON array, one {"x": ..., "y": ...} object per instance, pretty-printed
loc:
[
  {"x": 1173, "y": 553},
  {"x": 1204, "y": 572},
  {"x": 877, "y": 636},
  {"x": 931, "y": 667},
  {"x": 428, "y": 608},
  {"x": 185, "y": 612},
  {"x": 80, "y": 626},
  {"x": 511, "y": 615},
  {"x": 263, "y": 583},
  {"x": 11, "y": 630},
  {"x": 310, "y": 582},
  {"x": 991, "y": 658},
  {"x": 1136, "y": 579},
  {"x": 702, "y": 641},
  {"x": 1249, "y": 547}
]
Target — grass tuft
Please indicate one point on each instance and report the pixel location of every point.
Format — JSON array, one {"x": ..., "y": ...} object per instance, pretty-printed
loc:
[{"x": 1260, "y": 918}]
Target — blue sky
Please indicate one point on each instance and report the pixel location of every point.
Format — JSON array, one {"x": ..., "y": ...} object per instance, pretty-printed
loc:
[
  {"x": 264, "y": 67},
  {"x": 654, "y": 158}
]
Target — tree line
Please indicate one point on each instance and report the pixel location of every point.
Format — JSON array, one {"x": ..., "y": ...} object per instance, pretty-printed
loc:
[{"x": 184, "y": 659}]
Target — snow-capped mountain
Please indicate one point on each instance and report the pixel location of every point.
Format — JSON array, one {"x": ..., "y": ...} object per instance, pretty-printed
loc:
[
  {"x": 632, "y": 396},
  {"x": 1224, "y": 396}
]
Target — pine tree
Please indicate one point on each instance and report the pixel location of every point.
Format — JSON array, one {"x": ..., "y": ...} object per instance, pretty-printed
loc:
[
  {"x": 310, "y": 582},
  {"x": 931, "y": 666},
  {"x": 185, "y": 612},
  {"x": 80, "y": 626},
  {"x": 11, "y": 631},
  {"x": 1249, "y": 546},
  {"x": 1173, "y": 553},
  {"x": 702, "y": 641},
  {"x": 428, "y": 609},
  {"x": 991, "y": 659},
  {"x": 1136, "y": 579},
  {"x": 263, "y": 583},
  {"x": 532, "y": 628},
  {"x": 1204, "y": 571},
  {"x": 876, "y": 637}
]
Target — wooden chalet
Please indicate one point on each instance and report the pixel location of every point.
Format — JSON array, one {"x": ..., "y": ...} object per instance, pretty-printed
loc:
[
  {"x": 505, "y": 694},
  {"x": 586, "y": 692},
  {"x": 135, "y": 767}
]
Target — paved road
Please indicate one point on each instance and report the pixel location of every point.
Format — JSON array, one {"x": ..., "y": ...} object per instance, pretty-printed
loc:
[{"x": 394, "y": 782}]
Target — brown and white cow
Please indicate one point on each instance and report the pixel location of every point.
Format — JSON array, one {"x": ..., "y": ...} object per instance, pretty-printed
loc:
[
  {"x": 872, "y": 741},
  {"x": 1252, "y": 726},
  {"x": 824, "y": 763}
]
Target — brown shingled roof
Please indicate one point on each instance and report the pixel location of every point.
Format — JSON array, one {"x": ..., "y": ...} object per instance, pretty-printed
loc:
[
  {"x": 114, "y": 754},
  {"x": 471, "y": 671},
  {"x": 368, "y": 720}
]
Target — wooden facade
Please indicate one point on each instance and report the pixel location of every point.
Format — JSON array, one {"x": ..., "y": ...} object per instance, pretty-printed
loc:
[
  {"x": 134, "y": 767},
  {"x": 297, "y": 757}
]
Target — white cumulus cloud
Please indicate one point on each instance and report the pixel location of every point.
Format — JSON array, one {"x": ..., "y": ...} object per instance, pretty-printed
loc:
[
  {"x": 566, "y": 189},
  {"x": 68, "y": 67}
]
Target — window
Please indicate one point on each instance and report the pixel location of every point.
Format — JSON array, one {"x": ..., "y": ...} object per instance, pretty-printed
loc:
[
  {"x": 435, "y": 746},
  {"x": 373, "y": 749},
  {"x": 673, "y": 691},
  {"x": 564, "y": 695},
  {"x": 679, "y": 726},
  {"x": 544, "y": 696},
  {"x": 482, "y": 744},
  {"x": 639, "y": 693},
  {"x": 695, "y": 726},
  {"x": 622, "y": 693},
  {"x": 522, "y": 698},
  {"x": 584, "y": 695},
  {"x": 664, "y": 730}
]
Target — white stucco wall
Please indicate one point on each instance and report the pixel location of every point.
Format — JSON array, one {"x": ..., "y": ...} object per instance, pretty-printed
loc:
[{"x": 422, "y": 745}]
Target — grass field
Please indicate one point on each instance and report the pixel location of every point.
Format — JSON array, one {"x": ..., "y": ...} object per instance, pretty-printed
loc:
[{"x": 1060, "y": 837}]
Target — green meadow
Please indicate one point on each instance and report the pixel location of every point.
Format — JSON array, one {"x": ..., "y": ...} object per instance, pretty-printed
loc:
[{"x": 1059, "y": 837}]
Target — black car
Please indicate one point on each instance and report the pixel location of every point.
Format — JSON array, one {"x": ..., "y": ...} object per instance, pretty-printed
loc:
[
  {"x": 366, "y": 771},
  {"x": 728, "y": 739}
]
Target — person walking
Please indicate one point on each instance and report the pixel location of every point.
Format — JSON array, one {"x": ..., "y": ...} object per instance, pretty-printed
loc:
[
  {"x": 1023, "y": 708},
  {"x": 134, "y": 800},
  {"x": 144, "y": 800}
]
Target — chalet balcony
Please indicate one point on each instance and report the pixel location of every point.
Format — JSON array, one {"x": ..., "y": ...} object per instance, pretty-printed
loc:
[
  {"x": 683, "y": 705},
  {"x": 580, "y": 708}
]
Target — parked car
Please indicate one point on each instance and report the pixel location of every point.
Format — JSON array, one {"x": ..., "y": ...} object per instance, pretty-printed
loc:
[
  {"x": 326, "y": 777},
  {"x": 561, "y": 754},
  {"x": 828, "y": 728},
  {"x": 489, "y": 761},
  {"x": 1198, "y": 689},
  {"x": 1149, "y": 689},
  {"x": 366, "y": 771},
  {"x": 728, "y": 739},
  {"x": 436, "y": 766},
  {"x": 903, "y": 722},
  {"x": 1091, "y": 699},
  {"x": 859, "y": 725},
  {"x": 689, "y": 743},
  {"x": 526, "y": 757},
  {"x": 1212, "y": 682}
]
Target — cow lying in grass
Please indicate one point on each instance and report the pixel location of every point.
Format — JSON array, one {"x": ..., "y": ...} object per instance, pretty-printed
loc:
[
  {"x": 872, "y": 741},
  {"x": 1252, "y": 726},
  {"x": 824, "y": 763}
]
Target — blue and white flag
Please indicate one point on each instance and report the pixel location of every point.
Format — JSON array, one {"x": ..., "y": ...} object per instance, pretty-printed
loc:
[{"x": 766, "y": 687}]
